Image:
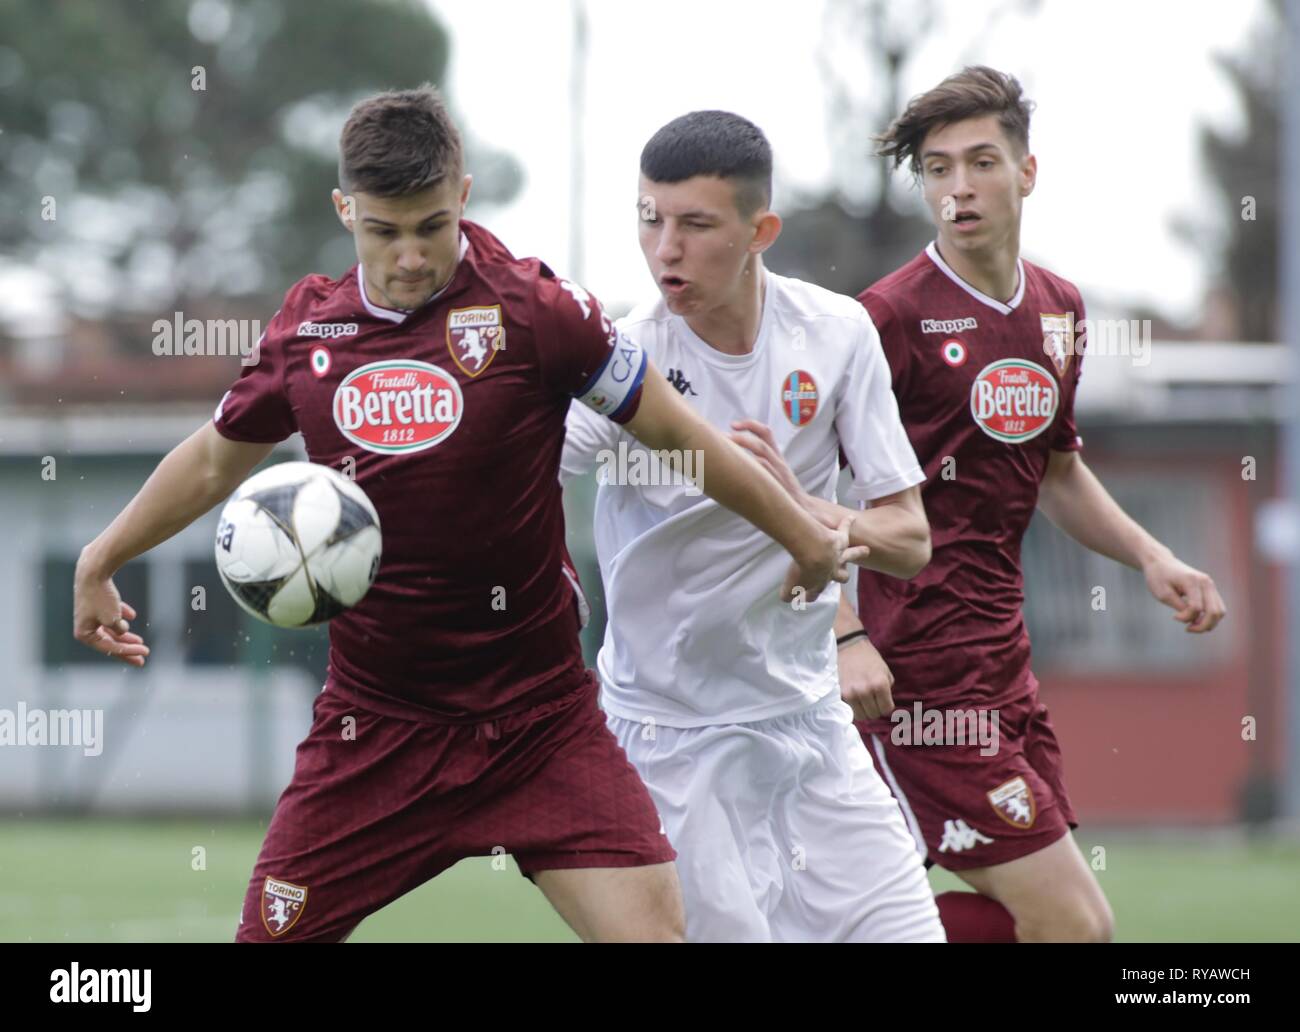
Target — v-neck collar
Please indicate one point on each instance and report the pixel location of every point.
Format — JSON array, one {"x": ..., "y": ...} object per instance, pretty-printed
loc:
[{"x": 1006, "y": 308}]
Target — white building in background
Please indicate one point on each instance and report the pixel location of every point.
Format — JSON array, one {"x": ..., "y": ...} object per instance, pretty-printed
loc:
[{"x": 211, "y": 722}]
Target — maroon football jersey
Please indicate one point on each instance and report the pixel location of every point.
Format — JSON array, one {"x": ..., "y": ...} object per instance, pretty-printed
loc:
[
  {"x": 986, "y": 392},
  {"x": 453, "y": 415}
]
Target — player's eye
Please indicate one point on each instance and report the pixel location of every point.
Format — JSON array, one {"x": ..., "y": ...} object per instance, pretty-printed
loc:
[
  {"x": 984, "y": 163},
  {"x": 382, "y": 232},
  {"x": 937, "y": 170},
  {"x": 429, "y": 230}
]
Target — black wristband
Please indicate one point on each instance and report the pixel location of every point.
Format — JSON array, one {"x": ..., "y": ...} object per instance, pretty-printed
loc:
[{"x": 843, "y": 640}]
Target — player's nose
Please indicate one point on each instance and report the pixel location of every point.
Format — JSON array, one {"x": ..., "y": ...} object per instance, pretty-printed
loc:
[
  {"x": 669, "y": 248},
  {"x": 410, "y": 261}
]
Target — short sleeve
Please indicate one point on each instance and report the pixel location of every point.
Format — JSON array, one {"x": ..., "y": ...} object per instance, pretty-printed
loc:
[
  {"x": 892, "y": 339},
  {"x": 1066, "y": 437},
  {"x": 870, "y": 430},
  {"x": 256, "y": 408},
  {"x": 586, "y": 435},
  {"x": 583, "y": 355}
]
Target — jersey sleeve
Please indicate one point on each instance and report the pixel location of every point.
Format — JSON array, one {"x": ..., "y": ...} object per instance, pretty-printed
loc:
[
  {"x": 870, "y": 430},
  {"x": 893, "y": 341},
  {"x": 256, "y": 408},
  {"x": 584, "y": 355},
  {"x": 586, "y": 435},
  {"x": 1066, "y": 435}
]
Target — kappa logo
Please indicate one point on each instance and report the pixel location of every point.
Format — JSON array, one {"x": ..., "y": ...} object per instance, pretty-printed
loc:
[
  {"x": 474, "y": 336},
  {"x": 1014, "y": 802},
  {"x": 948, "y": 325},
  {"x": 959, "y": 836},
  {"x": 682, "y": 385},
  {"x": 328, "y": 330},
  {"x": 282, "y": 905}
]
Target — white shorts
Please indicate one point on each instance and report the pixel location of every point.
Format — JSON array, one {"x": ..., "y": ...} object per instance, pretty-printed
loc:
[{"x": 784, "y": 831}]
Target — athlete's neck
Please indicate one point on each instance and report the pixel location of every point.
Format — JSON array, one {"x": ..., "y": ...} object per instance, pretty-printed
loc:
[
  {"x": 732, "y": 327},
  {"x": 992, "y": 270}
]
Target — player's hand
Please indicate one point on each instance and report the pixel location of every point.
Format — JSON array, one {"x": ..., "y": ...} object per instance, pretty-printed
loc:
[
  {"x": 866, "y": 683},
  {"x": 829, "y": 561},
  {"x": 99, "y": 619},
  {"x": 757, "y": 439},
  {"x": 1189, "y": 592}
]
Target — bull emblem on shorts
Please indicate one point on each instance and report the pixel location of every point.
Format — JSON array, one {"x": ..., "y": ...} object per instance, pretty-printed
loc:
[
  {"x": 1014, "y": 802},
  {"x": 282, "y": 905}
]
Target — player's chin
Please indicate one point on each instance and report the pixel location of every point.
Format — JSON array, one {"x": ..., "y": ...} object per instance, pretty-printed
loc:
[
  {"x": 407, "y": 298},
  {"x": 679, "y": 304}
]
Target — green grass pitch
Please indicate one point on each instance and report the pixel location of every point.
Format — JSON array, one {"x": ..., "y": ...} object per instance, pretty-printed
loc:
[{"x": 98, "y": 880}]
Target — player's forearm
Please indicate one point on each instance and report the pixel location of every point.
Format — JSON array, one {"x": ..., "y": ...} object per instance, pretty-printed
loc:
[
  {"x": 898, "y": 537},
  {"x": 846, "y": 618},
  {"x": 184, "y": 486},
  {"x": 734, "y": 480},
  {"x": 1074, "y": 499}
]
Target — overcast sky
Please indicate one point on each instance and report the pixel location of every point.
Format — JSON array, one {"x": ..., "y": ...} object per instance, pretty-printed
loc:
[{"x": 1121, "y": 88}]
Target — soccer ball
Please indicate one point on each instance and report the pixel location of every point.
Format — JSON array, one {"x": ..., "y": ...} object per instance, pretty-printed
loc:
[{"x": 297, "y": 544}]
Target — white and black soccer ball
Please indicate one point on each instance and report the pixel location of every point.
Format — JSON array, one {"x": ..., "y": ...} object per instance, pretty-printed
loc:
[{"x": 297, "y": 544}]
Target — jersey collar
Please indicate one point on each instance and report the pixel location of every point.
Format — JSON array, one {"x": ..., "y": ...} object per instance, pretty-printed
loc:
[
  {"x": 392, "y": 315},
  {"x": 932, "y": 250}
]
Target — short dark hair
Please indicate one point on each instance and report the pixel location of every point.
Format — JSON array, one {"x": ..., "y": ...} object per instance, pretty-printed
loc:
[
  {"x": 975, "y": 91},
  {"x": 399, "y": 142},
  {"x": 713, "y": 143}
]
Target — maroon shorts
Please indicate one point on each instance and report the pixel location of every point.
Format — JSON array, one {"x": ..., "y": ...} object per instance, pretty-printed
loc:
[
  {"x": 968, "y": 810},
  {"x": 376, "y": 809}
]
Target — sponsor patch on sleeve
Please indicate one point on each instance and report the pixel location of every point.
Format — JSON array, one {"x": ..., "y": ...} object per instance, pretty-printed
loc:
[{"x": 617, "y": 380}]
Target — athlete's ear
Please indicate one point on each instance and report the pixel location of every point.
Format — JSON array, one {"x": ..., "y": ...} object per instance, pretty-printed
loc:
[
  {"x": 1028, "y": 174},
  {"x": 464, "y": 191},
  {"x": 766, "y": 230},
  {"x": 345, "y": 206}
]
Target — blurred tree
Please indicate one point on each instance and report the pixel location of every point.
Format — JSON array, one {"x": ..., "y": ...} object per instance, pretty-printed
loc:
[
  {"x": 871, "y": 219},
  {"x": 186, "y": 150},
  {"x": 1244, "y": 164}
]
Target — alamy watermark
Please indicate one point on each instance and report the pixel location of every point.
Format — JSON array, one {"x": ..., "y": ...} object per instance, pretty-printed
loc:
[
  {"x": 76, "y": 727},
  {"x": 208, "y": 337},
  {"x": 1102, "y": 338},
  {"x": 638, "y": 467},
  {"x": 920, "y": 726}
]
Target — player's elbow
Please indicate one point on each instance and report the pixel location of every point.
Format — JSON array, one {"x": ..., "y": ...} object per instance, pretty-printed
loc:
[{"x": 916, "y": 557}]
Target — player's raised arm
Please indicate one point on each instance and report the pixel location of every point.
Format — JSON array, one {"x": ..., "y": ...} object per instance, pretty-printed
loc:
[
  {"x": 193, "y": 477},
  {"x": 733, "y": 479}
]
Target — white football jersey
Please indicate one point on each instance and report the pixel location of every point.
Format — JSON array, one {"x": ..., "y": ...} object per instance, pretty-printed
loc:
[{"x": 697, "y": 631}]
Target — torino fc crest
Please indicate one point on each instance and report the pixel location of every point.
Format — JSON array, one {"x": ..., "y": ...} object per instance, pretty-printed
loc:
[
  {"x": 1014, "y": 802},
  {"x": 282, "y": 905},
  {"x": 474, "y": 336},
  {"x": 1058, "y": 338}
]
